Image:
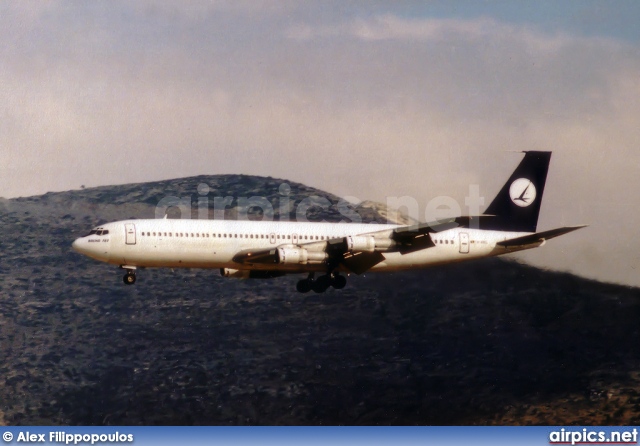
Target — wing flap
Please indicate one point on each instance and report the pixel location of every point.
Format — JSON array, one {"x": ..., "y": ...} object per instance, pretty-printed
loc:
[
  {"x": 417, "y": 237},
  {"x": 361, "y": 262}
]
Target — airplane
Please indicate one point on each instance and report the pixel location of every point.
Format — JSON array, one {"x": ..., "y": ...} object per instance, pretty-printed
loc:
[{"x": 268, "y": 249}]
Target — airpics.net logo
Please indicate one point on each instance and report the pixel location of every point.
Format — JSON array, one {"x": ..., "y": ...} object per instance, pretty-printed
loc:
[
  {"x": 285, "y": 206},
  {"x": 587, "y": 436}
]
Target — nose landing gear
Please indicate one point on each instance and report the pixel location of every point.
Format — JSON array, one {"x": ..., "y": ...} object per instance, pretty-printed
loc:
[{"x": 130, "y": 277}]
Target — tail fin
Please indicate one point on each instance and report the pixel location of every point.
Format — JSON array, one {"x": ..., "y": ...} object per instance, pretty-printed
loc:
[{"x": 517, "y": 205}]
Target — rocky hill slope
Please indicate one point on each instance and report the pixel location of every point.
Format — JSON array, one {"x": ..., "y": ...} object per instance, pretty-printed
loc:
[{"x": 487, "y": 342}]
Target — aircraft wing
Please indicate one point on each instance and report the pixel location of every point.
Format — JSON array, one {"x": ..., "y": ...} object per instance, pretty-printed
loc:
[
  {"x": 356, "y": 258},
  {"x": 416, "y": 237},
  {"x": 538, "y": 237}
]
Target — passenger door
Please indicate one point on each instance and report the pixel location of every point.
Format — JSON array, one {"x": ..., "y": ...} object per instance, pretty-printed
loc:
[
  {"x": 464, "y": 243},
  {"x": 130, "y": 233}
]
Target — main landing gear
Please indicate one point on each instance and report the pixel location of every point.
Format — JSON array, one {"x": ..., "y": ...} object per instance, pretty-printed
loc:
[
  {"x": 322, "y": 283},
  {"x": 130, "y": 277}
]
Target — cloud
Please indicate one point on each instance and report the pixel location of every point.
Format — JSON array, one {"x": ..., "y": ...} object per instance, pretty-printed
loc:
[{"x": 439, "y": 30}]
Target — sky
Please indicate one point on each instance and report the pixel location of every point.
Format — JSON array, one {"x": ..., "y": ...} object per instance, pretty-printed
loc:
[{"x": 365, "y": 99}]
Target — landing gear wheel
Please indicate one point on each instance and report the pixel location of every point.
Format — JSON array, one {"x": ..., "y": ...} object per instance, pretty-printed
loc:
[
  {"x": 304, "y": 285},
  {"x": 321, "y": 284},
  {"x": 129, "y": 278},
  {"x": 339, "y": 282}
]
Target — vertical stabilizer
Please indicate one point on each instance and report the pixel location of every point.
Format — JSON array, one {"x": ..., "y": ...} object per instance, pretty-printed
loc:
[{"x": 517, "y": 205}]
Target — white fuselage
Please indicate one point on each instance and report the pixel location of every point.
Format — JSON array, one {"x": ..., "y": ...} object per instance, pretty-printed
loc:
[{"x": 213, "y": 244}]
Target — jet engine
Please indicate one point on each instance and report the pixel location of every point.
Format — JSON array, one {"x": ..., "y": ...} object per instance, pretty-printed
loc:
[
  {"x": 367, "y": 243},
  {"x": 236, "y": 273},
  {"x": 299, "y": 256}
]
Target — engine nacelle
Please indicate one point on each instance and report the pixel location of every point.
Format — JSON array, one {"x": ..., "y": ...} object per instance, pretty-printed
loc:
[
  {"x": 360, "y": 243},
  {"x": 235, "y": 273},
  {"x": 299, "y": 256},
  {"x": 368, "y": 243}
]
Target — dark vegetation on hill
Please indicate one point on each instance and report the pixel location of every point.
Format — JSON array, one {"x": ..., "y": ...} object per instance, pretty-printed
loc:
[{"x": 485, "y": 342}]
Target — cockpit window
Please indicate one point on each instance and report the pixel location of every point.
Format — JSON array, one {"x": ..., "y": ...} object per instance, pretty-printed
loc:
[{"x": 98, "y": 231}]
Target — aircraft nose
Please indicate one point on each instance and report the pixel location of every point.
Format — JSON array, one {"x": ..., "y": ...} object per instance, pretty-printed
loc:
[
  {"x": 81, "y": 245},
  {"x": 93, "y": 248}
]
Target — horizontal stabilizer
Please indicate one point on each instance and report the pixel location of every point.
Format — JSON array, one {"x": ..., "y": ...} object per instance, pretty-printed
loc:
[{"x": 538, "y": 237}]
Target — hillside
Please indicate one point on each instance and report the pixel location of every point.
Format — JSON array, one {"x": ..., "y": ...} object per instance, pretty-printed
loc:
[{"x": 487, "y": 342}]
